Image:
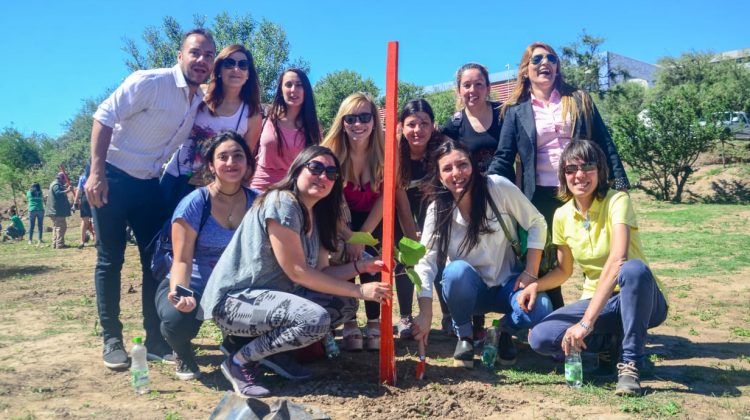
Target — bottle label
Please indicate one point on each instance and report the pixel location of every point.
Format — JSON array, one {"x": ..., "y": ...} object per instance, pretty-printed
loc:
[{"x": 139, "y": 377}]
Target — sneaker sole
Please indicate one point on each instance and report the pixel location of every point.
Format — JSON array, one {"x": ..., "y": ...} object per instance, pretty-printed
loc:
[
  {"x": 281, "y": 371},
  {"x": 187, "y": 376},
  {"x": 116, "y": 365},
  {"x": 156, "y": 358},
  {"x": 229, "y": 378}
]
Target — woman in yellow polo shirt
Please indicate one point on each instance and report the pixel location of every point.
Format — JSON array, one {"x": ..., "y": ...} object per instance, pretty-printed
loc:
[{"x": 621, "y": 299}]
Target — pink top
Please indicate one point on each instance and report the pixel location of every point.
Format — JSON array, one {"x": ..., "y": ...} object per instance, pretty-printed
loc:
[
  {"x": 360, "y": 200},
  {"x": 272, "y": 166},
  {"x": 551, "y": 138}
]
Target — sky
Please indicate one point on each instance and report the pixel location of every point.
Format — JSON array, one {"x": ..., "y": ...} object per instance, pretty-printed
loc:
[{"x": 60, "y": 53}]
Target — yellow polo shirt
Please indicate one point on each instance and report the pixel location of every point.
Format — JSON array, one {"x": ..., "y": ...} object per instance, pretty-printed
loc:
[{"x": 590, "y": 246}]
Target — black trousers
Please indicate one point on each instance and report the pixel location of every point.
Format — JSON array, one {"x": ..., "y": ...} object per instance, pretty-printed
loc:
[{"x": 545, "y": 200}]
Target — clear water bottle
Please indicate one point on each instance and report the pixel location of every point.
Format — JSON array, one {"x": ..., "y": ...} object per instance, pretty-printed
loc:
[
  {"x": 489, "y": 350},
  {"x": 138, "y": 367},
  {"x": 332, "y": 349},
  {"x": 573, "y": 369}
]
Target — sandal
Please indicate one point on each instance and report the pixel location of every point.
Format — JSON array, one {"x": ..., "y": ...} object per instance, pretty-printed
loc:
[
  {"x": 372, "y": 335},
  {"x": 351, "y": 337}
]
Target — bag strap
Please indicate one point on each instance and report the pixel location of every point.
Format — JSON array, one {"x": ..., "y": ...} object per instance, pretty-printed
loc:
[
  {"x": 206, "y": 208},
  {"x": 514, "y": 243},
  {"x": 240, "y": 117}
]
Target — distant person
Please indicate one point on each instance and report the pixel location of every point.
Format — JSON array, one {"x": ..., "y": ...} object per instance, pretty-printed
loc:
[
  {"x": 199, "y": 239},
  {"x": 291, "y": 125},
  {"x": 84, "y": 209},
  {"x": 541, "y": 116},
  {"x": 232, "y": 102},
  {"x": 273, "y": 282},
  {"x": 58, "y": 209},
  {"x": 134, "y": 132},
  {"x": 16, "y": 230},
  {"x": 36, "y": 211},
  {"x": 621, "y": 299}
]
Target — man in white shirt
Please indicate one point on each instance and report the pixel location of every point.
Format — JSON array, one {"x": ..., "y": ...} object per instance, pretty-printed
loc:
[{"x": 134, "y": 132}]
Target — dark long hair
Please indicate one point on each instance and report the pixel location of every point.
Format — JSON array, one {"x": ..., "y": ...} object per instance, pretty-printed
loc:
[
  {"x": 35, "y": 190},
  {"x": 479, "y": 223},
  {"x": 411, "y": 108},
  {"x": 327, "y": 211},
  {"x": 308, "y": 116},
  {"x": 250, "y": 92}
]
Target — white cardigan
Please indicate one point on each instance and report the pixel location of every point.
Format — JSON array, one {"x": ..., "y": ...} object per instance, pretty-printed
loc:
[{"x": 492, "y": 257}]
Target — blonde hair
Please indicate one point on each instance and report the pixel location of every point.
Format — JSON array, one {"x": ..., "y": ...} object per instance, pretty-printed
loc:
[
  {"x": 338, "y": 141},
  {"x": 574, "y": 101}
]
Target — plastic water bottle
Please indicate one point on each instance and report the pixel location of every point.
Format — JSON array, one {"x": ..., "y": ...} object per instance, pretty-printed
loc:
[
  {"x": 573, "y": 369},
  {"x": 139, "y": 367},
  {"x": 489, "y": 350},
  {"x": 332, "y": 349}
]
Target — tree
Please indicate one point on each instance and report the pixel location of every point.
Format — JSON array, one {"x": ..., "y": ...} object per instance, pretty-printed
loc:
[
  {"x": 583, "y": 64},
  {"x": 624, "y": 98},
  {"x": 663, "y": 144},
  {"x": 265, "y": 40},
  {"x": 334, "y": 87},
  {"x": 406, "y": 92},
  {"x": 443, "y": 105},
  {"x": 18, "y": 156}
]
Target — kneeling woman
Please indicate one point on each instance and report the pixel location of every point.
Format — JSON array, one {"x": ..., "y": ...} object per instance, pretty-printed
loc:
[
  {"x": 273, "y": 282},
  {"x": 621, "y": 299},
  {"x": 202, "y": 225},
  {"x": 482, "y": 273}
]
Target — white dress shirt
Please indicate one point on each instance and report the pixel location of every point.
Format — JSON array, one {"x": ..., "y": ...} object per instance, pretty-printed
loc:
[
  {"x": 492, "y": 257},
  {"x": 151, "y": 114}
]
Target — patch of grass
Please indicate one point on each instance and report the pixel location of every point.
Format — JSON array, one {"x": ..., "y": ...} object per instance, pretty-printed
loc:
[
  {"x": 705, "y": 314},
  {"x": 693, "y": 332},
  {"x": 7, "y": 369},
  {"x": 740, "y": 332},
  {"x": 210, "y": 331},
  {"x": 649, "y": 408},
  {"x": 513, "y": 376},
  {"x": 743, "y": 358},
  {"x": 655, "y": 358},
  {"x": 682, "y": 295}
]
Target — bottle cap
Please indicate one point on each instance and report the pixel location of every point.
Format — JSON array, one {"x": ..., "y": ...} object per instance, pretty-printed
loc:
[
  {"x": 137, "y": 340},
  {"x": 495, "y": 322}
]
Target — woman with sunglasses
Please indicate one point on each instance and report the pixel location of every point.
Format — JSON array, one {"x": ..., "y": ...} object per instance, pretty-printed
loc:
[
  {"x": 541, "y": 116},
  {"x": 481, "y": 271},
  {"x": 356, "y": 138},
  {"x": 622, "y": 299},
  {"x": 202, "y": 225},
  {"x": 273, "y": 282},
  {"x": 292, "y": 125},
  {"x": 232, "y": 102}
]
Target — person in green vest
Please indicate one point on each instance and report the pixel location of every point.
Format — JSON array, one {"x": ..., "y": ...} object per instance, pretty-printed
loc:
[{"x": 36, "y": 211}]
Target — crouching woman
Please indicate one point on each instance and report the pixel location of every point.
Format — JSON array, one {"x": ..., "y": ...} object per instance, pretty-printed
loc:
[
  {"x": 482, "y": 273},
  {"x": 621, "y": 299},
  {"x": 273, "y": 282}
]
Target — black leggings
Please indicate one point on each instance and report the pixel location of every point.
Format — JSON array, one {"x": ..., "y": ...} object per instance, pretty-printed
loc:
[{"x": 545, "y": 200}]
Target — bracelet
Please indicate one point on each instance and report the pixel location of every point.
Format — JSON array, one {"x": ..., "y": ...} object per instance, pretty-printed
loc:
[
  {"x": 356, "y": 268},
  {"x": 531, "y": 275},
  {"x": 361, "y": 292},
  {"x": 585, "y": 326}
]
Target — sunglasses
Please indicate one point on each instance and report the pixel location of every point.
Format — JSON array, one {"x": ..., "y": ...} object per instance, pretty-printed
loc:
[
  {"x": 364, "y": 118},
  {"x": 586, "y": 167},
  {"x": 316, "y": 168},
  {"x": 230, "y": 63},
  {"x": 536, "y": 59}
]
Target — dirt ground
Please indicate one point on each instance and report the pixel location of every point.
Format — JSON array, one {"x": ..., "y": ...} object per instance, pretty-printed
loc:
[{"x": 50, "y": 359}]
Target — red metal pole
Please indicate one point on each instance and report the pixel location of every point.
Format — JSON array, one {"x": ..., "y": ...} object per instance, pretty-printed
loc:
[{"x": 387, "y": 354}]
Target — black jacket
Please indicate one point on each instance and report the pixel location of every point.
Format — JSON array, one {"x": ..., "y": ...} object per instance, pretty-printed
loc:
[{"x": 518, "y": 136}]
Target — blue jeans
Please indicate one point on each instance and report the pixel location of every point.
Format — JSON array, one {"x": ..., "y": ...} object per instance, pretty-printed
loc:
[
  {"x": 466, "y": 294},
  {"x": 136, "y": 202},
  {"x": 640, "y": 305},
  {"x": 36, "y": 217}
]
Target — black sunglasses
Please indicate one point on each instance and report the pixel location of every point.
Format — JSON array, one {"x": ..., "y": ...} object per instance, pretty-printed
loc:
[
  {"x": 586, "y": 167},
  {"x": 230, "y": 63},
  {"x": 364, "y": 118},
  {"x": 316, "y": 168},
  {"x": 536, "y": 59}
]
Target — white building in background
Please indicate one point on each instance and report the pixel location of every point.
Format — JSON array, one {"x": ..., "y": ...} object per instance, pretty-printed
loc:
[{"x": 741, "y": 56}]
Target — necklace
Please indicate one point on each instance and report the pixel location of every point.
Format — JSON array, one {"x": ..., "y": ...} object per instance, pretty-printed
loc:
[{"x": 229, "y": 195}]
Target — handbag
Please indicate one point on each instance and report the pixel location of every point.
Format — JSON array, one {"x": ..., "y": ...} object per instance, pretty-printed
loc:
[
  {"x": 161, "y": 245},
  {"x": 549, "y": 254}
]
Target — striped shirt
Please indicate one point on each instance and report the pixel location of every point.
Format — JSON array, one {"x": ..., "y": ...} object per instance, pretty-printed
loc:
[{"x": 150, "y": 115}]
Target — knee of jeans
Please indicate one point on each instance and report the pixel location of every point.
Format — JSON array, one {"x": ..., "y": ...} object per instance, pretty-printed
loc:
[
  {"x": 633, "y": 273},
  {"x": 542, "y": 341},
  {"x": 457, "y": 273}
]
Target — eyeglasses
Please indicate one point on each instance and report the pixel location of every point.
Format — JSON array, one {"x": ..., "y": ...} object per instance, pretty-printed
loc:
[
  {"x": 364, "y": 118},
  {"x": 536, "y": 59},
  {"x": 586, "y": 167},
  {"x": 230, "y": 63},
  {"x": 316, "y": 168}
]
